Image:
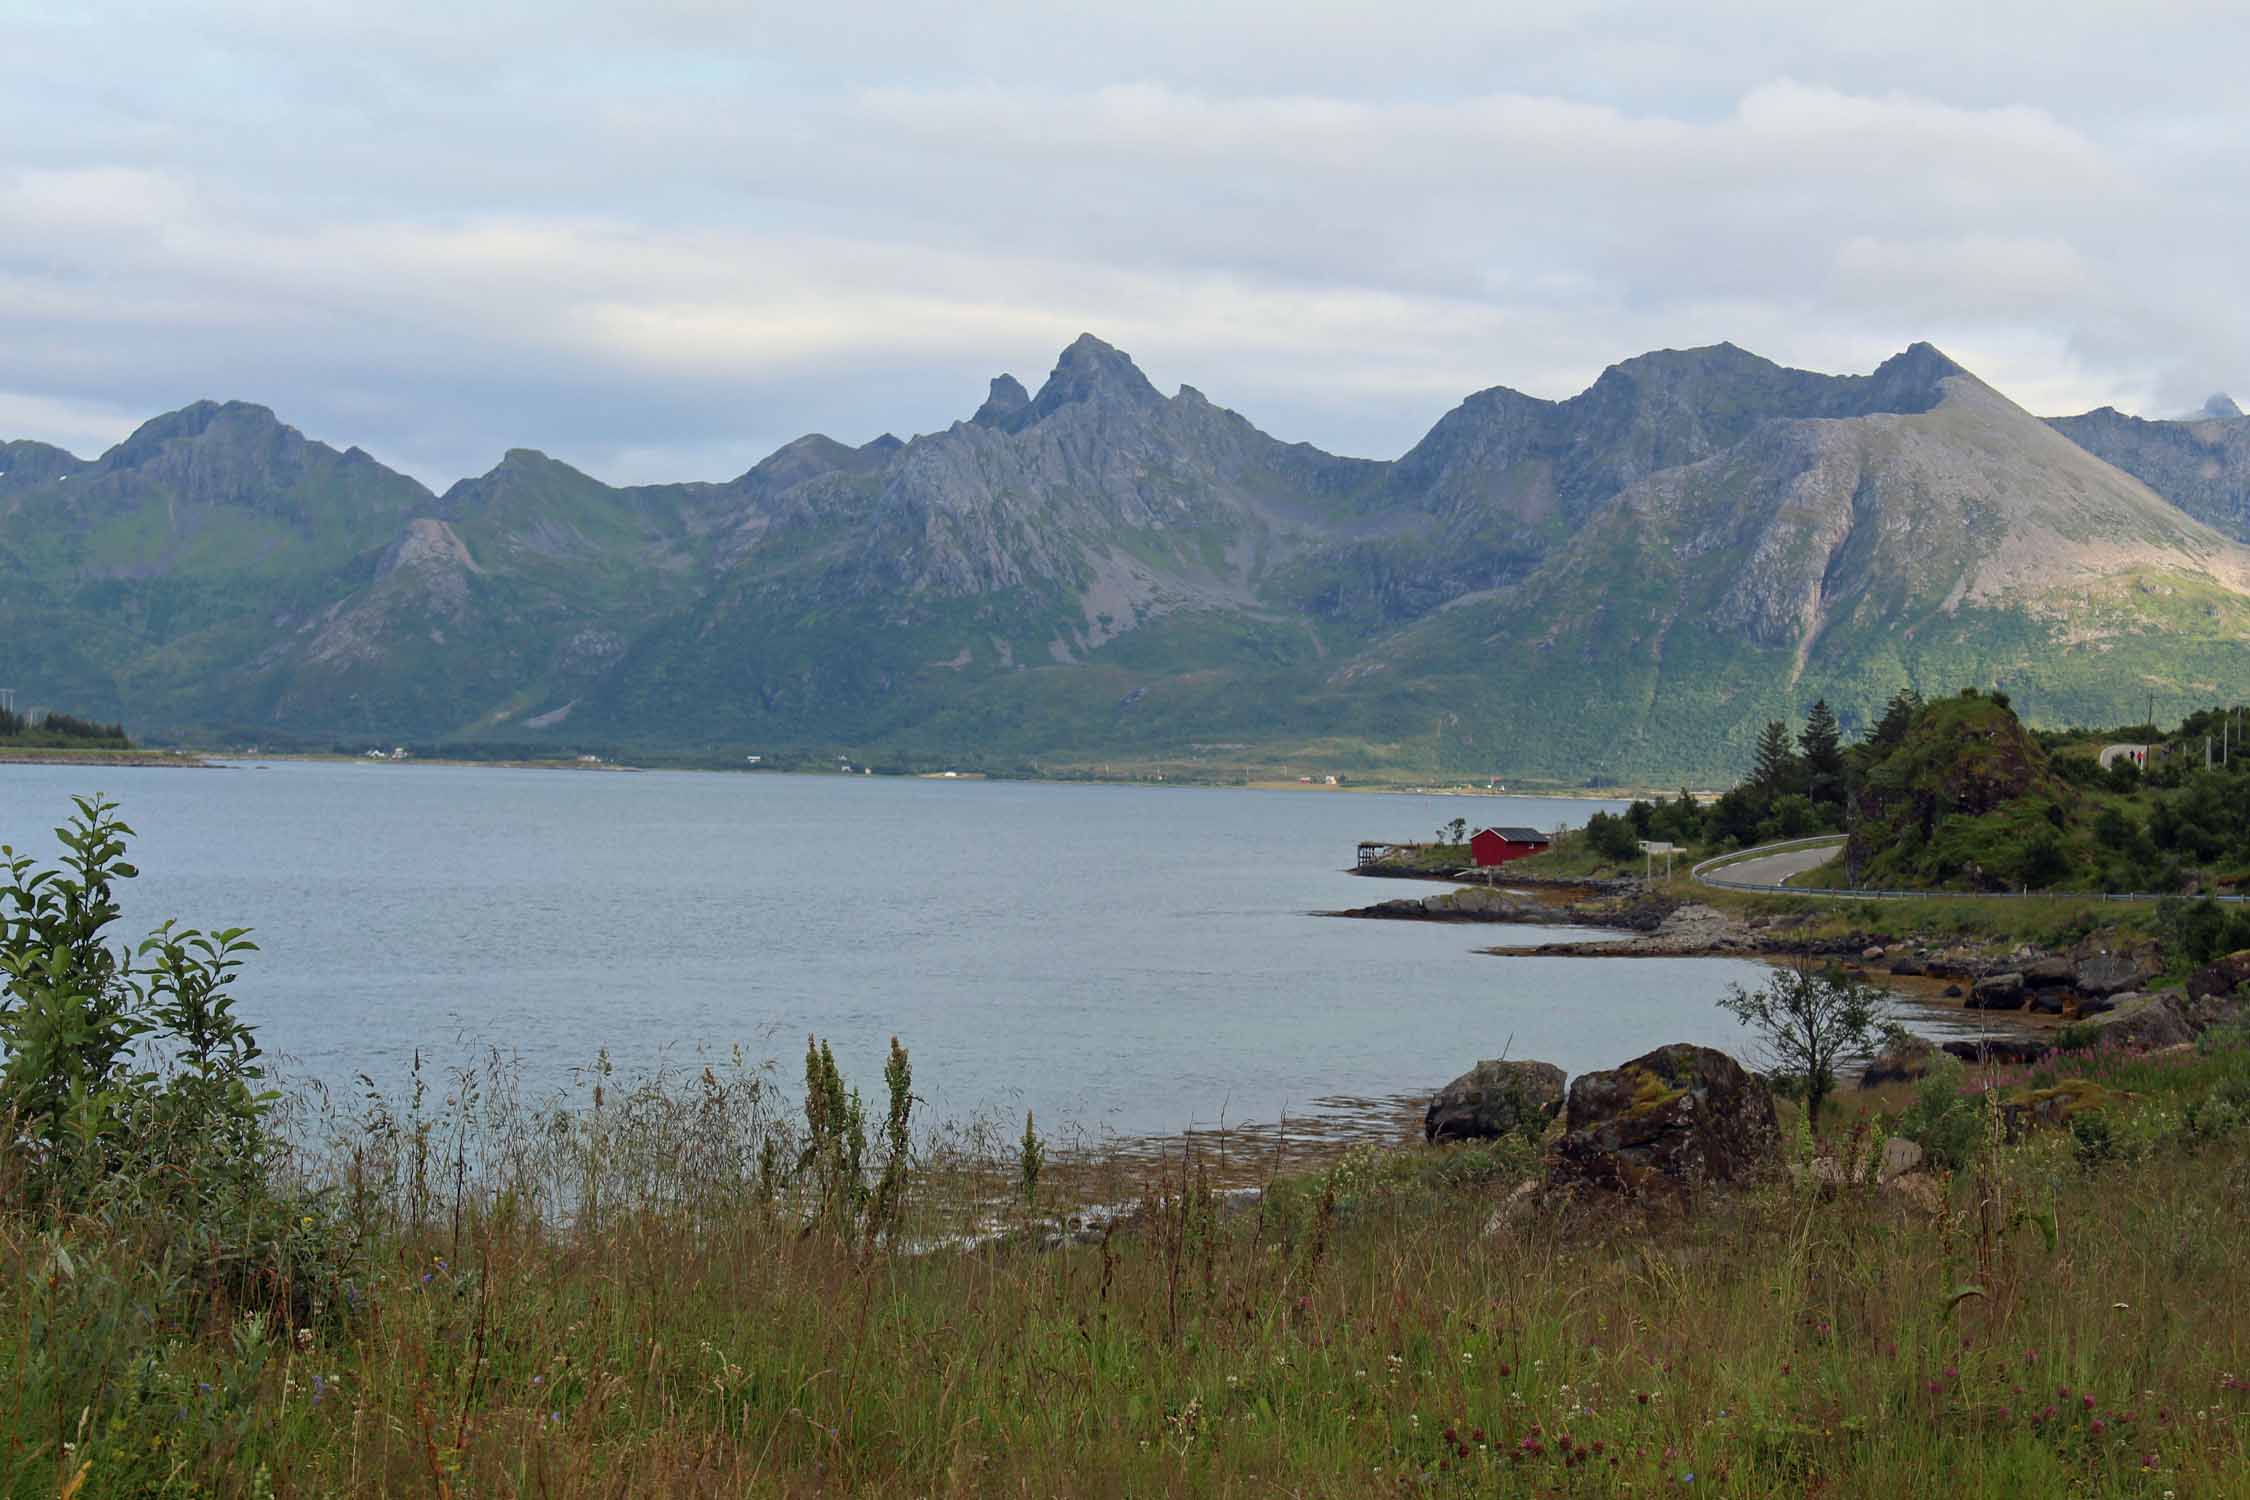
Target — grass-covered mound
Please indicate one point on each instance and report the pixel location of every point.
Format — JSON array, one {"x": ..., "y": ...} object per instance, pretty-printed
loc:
[{"x": 1966, "y": 800}]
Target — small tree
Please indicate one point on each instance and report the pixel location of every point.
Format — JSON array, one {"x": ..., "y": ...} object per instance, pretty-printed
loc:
[
  {"x": 116, "y": 1054},
  {"x": 1809, "y": 1020}
]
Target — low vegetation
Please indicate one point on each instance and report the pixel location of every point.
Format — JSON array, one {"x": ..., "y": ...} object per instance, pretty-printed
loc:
[
  {"x": 701, "y": 1286},
  {"x": 58, "y": 731}
]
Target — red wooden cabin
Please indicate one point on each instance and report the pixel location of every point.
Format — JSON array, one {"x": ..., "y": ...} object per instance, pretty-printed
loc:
[{"x": 1496, "y": 846}]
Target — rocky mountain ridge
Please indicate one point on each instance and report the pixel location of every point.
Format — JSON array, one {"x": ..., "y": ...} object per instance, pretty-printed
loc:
[{"x": 1647, "y": 570}]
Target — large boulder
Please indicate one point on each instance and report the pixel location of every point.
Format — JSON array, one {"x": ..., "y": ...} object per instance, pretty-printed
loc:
[
  {"x": 2054, "y": 973},
  {"x": 2220, "y": 980},
  {"x": 2114, "y": 968},
  {"x": 2166, "y": 1018},
  {"x": 1494, "y": 1099},
  {"x": 1911, "y": 1058},
  {"x": 1998, "y": 992},
  {"x": 1677, "y": 1118}
]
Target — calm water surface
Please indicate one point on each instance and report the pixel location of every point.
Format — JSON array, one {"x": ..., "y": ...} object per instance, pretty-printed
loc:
[{"x": 1122, "y": 959}]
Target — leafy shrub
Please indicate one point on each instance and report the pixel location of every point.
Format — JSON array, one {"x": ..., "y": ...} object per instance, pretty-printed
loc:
[
  {"x": 1612, "y": 837},
  {"x": 2091, "y": 1139},
  {"x": 1943, "y": 1121}
]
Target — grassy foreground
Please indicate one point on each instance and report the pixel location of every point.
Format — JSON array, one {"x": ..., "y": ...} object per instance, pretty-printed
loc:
[{"x": 632, "y": 1303}]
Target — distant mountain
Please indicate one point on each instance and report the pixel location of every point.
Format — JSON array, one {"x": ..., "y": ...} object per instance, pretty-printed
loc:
[
  {"x": 1623, "y": 583},
  {"x": 1961, "y": 543},
  {"x": 2201, "y": 464}
]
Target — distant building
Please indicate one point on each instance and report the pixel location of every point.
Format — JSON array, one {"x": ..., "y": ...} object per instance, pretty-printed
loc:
[{"x": 1496, "y": 846}]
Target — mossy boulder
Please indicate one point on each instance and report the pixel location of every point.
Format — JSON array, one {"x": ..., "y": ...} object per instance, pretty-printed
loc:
[
  {"x": 1495, "y": 1099},
  {"x": 2059, "y": 1104},
  {"x": 1967, "y": 801},
  {"x": 1677, "y": 1118}
]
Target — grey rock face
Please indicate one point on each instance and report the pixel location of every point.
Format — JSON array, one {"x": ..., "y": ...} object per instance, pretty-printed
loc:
[
  {"x": 1494, "y": 1099},
  {"x": 1007, "y": 399},
  {"x": 2201, "y": 465},
  {"x": 2104, "y": 974}
]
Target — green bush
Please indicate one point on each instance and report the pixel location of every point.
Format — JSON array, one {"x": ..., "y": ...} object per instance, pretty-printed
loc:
[
  {"x": 1943, "y": 1121},
  {"x": 131, "y": 1093}
]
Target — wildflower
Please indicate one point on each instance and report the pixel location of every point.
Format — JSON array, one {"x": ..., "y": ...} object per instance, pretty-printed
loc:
[
  {"x": 2098, "y": 1427},
  {"x": 2088, "y": 1400},
  {"x": 320, "y": 1389},
  {"x": 538, "y": 1380}
]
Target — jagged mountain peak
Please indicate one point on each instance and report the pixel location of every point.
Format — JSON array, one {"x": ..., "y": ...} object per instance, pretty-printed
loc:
[
  {"x": 1090, "y": 370},
  {"x": 2219, "y": 406},
  {"x": 1006, "y": 399},
  {"x": 241, "y": 419},
  {"x": 1911, "y": 380}
]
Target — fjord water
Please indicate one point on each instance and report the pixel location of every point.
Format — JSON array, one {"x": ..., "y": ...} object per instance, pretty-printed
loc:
[{"x": 1118, "y": 959}]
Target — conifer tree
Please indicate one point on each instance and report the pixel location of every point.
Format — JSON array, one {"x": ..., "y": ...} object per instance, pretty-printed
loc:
[
  {"x": 1898, "y": 717},
  {"x": 1776, "y": 769},
  {"x": 1822, "y": 745}
]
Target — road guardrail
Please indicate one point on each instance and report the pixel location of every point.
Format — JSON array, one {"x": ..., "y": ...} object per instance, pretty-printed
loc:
[{"x": 1701, "y": 874}]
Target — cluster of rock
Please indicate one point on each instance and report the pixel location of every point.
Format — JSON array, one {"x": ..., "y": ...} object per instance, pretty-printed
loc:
[
  {"x": 1685, "y": 1117},
  {"x": 2090, "y": 980},
  {"x": 1672, "y": 1120}
]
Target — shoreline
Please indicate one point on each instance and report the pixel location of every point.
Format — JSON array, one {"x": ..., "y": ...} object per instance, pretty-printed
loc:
[{"x": 182, "y": 759}]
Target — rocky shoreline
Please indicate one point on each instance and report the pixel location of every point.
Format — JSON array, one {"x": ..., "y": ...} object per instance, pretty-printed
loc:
[{"x": 2108, "y": 980}]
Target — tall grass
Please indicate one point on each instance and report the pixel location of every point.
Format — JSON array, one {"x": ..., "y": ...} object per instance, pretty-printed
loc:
[{"x": 644, "y": 1294}]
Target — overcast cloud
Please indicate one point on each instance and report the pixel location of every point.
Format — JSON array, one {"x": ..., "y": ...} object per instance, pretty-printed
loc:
[{"x": 659, "y": 240}]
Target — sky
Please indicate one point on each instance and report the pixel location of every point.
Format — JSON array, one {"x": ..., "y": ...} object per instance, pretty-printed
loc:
[{"x": 660, "y": 240}]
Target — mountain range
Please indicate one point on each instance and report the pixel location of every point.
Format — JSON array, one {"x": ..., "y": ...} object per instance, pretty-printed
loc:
[{"x": 1624, "y": 584}]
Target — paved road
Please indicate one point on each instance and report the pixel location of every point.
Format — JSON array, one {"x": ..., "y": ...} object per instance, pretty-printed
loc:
[{"x": 1775, "y": 869}]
